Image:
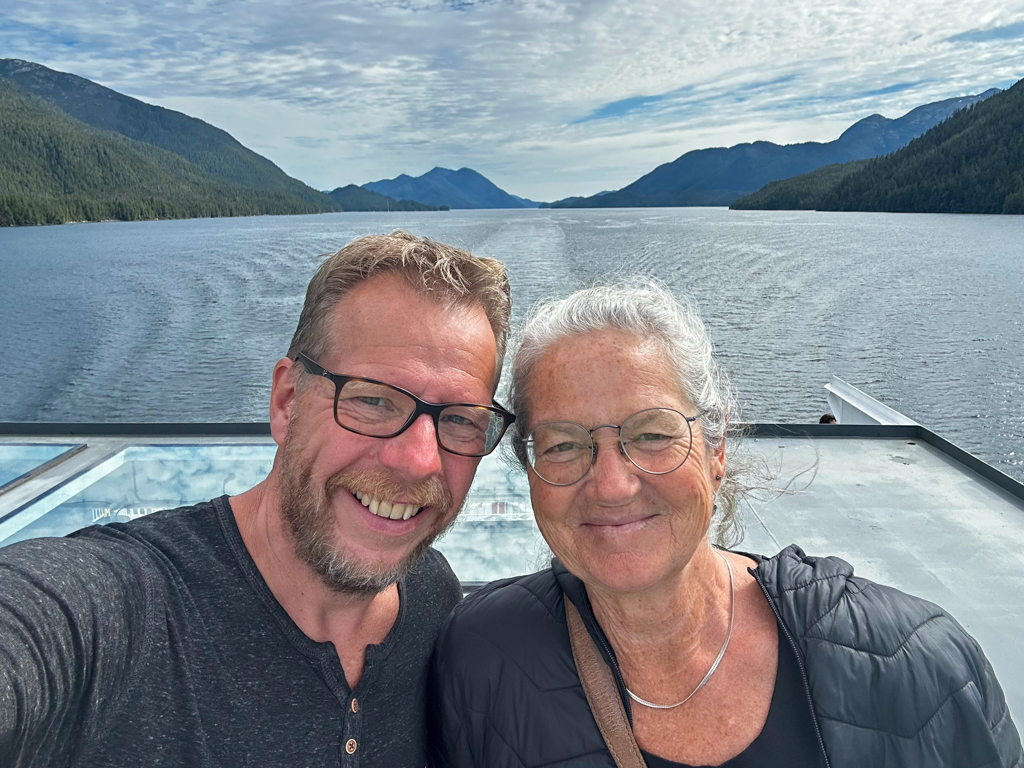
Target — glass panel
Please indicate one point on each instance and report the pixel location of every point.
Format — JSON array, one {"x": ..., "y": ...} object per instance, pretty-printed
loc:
[
  {"x": 18, "y": 459},
  {"x": 140, "y": 480},
  {"x": 495, "y": 536}
]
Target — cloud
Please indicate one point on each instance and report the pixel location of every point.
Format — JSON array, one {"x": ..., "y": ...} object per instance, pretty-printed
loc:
[
  {"x": 894, "y": 88},
  {"x": 310, "y": 142},
  {"x": 1008, "y": 32},
  {"x": 546, "y": 97}
]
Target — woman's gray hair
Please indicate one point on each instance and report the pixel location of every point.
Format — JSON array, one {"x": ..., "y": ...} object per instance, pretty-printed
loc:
[{"x": 643, "y": 307}]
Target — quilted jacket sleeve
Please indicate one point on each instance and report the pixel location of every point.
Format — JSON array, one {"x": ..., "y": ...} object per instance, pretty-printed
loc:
[
  {"x": 894, "y": 679},
  {"x": 1003, "y": 733}
]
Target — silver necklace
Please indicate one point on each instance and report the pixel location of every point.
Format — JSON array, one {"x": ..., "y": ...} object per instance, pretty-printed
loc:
[{"x": 721, "y": 653}]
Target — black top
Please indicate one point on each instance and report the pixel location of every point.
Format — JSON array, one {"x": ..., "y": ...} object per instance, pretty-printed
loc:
[
  {"x": 892, "y": 679},
  {"x": 157, "y": 642},
  {"x": 787, "y": 739}
]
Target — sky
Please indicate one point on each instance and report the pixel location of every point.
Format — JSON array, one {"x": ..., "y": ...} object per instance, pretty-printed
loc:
[{"x": 544, "y": 97}]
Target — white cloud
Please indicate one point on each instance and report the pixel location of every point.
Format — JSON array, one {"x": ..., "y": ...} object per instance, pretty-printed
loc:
[{"x": 548, "y": 98}]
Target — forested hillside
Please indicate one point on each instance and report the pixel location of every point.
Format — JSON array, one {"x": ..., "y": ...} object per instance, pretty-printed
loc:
[
  {"x": 54, "y": 169},
  {"x": 215, "y": 151},
  {"x": 971, "y": 163},
  {"x": 800, "y": 192}
]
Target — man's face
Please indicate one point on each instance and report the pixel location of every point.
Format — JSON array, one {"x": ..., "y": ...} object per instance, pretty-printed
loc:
[{"x": 382, "y": 330}]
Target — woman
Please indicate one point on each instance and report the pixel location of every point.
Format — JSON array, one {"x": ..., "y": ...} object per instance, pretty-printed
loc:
[{"x": 708, "y": 657}]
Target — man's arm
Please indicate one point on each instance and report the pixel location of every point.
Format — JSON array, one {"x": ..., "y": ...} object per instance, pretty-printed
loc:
[{"x": 72, "y": 617}]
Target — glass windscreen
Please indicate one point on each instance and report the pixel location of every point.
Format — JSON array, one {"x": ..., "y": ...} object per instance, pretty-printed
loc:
[
  {"x": 18, "y": 459},
  {"x": 140, "y": 480},
  {"x": 494, "y": 537}
]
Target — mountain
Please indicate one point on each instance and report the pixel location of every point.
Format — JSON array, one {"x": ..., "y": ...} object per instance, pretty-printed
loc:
[
  {"x": 527, "y": 203},
  {"x": 211, "y": 149},
  {"x": 353, "y": 198},
  {"x": 54, "y": 168},
  {"x": 720, "y": 176},
  {"x": 971, "y": 163},
  {"x": 464, "y": 188},
  {"x": 566, "y": 202}
]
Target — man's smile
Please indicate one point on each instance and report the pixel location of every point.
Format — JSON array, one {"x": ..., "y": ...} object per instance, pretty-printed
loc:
[{"x": 392, "y": 510}]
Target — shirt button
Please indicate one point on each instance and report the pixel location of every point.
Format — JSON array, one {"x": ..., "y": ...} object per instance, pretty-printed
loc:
[
  {"x": 350, "y": 746},
  {"x": 355, "y": 704}
]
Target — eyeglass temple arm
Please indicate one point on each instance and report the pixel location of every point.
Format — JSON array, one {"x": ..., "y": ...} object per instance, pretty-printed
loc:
[{"x": 313, "y": 367}]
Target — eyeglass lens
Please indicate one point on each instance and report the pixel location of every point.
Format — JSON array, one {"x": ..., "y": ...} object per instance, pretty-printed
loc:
[
  {"x": 380, "y": 411},
  {"x": 656, "y": 440}
]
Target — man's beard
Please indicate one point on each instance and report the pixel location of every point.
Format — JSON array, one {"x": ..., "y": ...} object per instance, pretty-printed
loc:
[{"x": 309, "y": 517}]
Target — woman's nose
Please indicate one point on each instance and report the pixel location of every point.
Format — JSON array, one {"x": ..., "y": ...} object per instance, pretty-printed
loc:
[{"x": 614, "y": 475}]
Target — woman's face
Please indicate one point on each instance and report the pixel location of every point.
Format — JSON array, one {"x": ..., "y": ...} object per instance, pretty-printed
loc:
[{"x": 619, "y": 528}]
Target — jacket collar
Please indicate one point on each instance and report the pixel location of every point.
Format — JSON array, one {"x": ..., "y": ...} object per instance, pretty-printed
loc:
[{"x": 803, "y": 588}]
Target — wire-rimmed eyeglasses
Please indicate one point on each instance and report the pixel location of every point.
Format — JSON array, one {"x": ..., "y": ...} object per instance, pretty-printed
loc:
[
  {"x": 655, "y": 440},
  {"x": 378, "y": 409}
]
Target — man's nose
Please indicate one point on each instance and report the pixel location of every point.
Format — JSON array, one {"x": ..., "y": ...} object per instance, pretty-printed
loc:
[{"x": 414, "y": 453}]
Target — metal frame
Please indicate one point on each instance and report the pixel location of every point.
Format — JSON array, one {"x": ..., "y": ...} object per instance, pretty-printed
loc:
[
  {"x": 128, "y": 429},
  {"x": 46, "y": 466},
  {"x": 893, "y": 432}
]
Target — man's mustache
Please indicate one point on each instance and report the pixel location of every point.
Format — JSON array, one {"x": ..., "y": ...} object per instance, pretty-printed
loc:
[{"x": 431, "y": 492}]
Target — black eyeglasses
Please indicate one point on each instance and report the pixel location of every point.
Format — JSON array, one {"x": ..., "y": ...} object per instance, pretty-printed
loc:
[
  {"x": 655, "y": 440},
  {"x": 376, "y": 409}
]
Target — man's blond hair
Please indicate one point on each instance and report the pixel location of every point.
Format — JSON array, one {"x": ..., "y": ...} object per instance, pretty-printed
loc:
[{"x": 451, "y": 275}]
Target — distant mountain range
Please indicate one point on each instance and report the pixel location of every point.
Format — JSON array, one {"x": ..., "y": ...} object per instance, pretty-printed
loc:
[
  {"x": 353, "y": 198},
  {"x": 971, "y": 163},
  {"x": 73, "y": 150},
  {"x": 464, "y": 188},
  {"x": 719, "y": 176}
]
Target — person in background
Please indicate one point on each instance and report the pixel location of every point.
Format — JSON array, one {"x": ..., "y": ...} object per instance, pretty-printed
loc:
[
  {"x": 291, "y": 625},
  {"x": 645, "y": 644},
  {"x": 828, "y": 418}
]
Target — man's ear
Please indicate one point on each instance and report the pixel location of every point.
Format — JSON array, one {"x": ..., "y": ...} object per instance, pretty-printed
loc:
[{"x": 282, "y": 397}]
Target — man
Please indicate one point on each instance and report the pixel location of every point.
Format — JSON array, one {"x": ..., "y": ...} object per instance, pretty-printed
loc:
[{"x": 290, "y": 625}]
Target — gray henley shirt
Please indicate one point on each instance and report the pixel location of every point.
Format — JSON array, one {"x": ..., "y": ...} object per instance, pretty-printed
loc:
[{"x": 157, "y": 643}]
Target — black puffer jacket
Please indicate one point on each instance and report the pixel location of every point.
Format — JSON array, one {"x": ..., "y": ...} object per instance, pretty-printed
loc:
[{"x": 892, "y": 679}]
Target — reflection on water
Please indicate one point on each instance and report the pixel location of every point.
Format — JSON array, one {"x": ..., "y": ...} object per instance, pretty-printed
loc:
[{"x": 495, "y": 535}]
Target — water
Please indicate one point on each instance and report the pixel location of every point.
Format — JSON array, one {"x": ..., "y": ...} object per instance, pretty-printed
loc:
[{"x": 183, "y": 320}]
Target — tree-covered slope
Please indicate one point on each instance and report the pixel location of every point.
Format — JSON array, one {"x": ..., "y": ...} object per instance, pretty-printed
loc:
[
  {"x": 54, "y": 168},
  {"x": 800, "y": 192},
  {"x": 971, "y": 163},
  {"x": 353, "y": 198},
  {"x": 210, "y": 148}
]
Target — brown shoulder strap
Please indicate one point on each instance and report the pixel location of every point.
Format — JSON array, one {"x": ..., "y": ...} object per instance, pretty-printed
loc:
[{"x": 602, "y": 694}]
